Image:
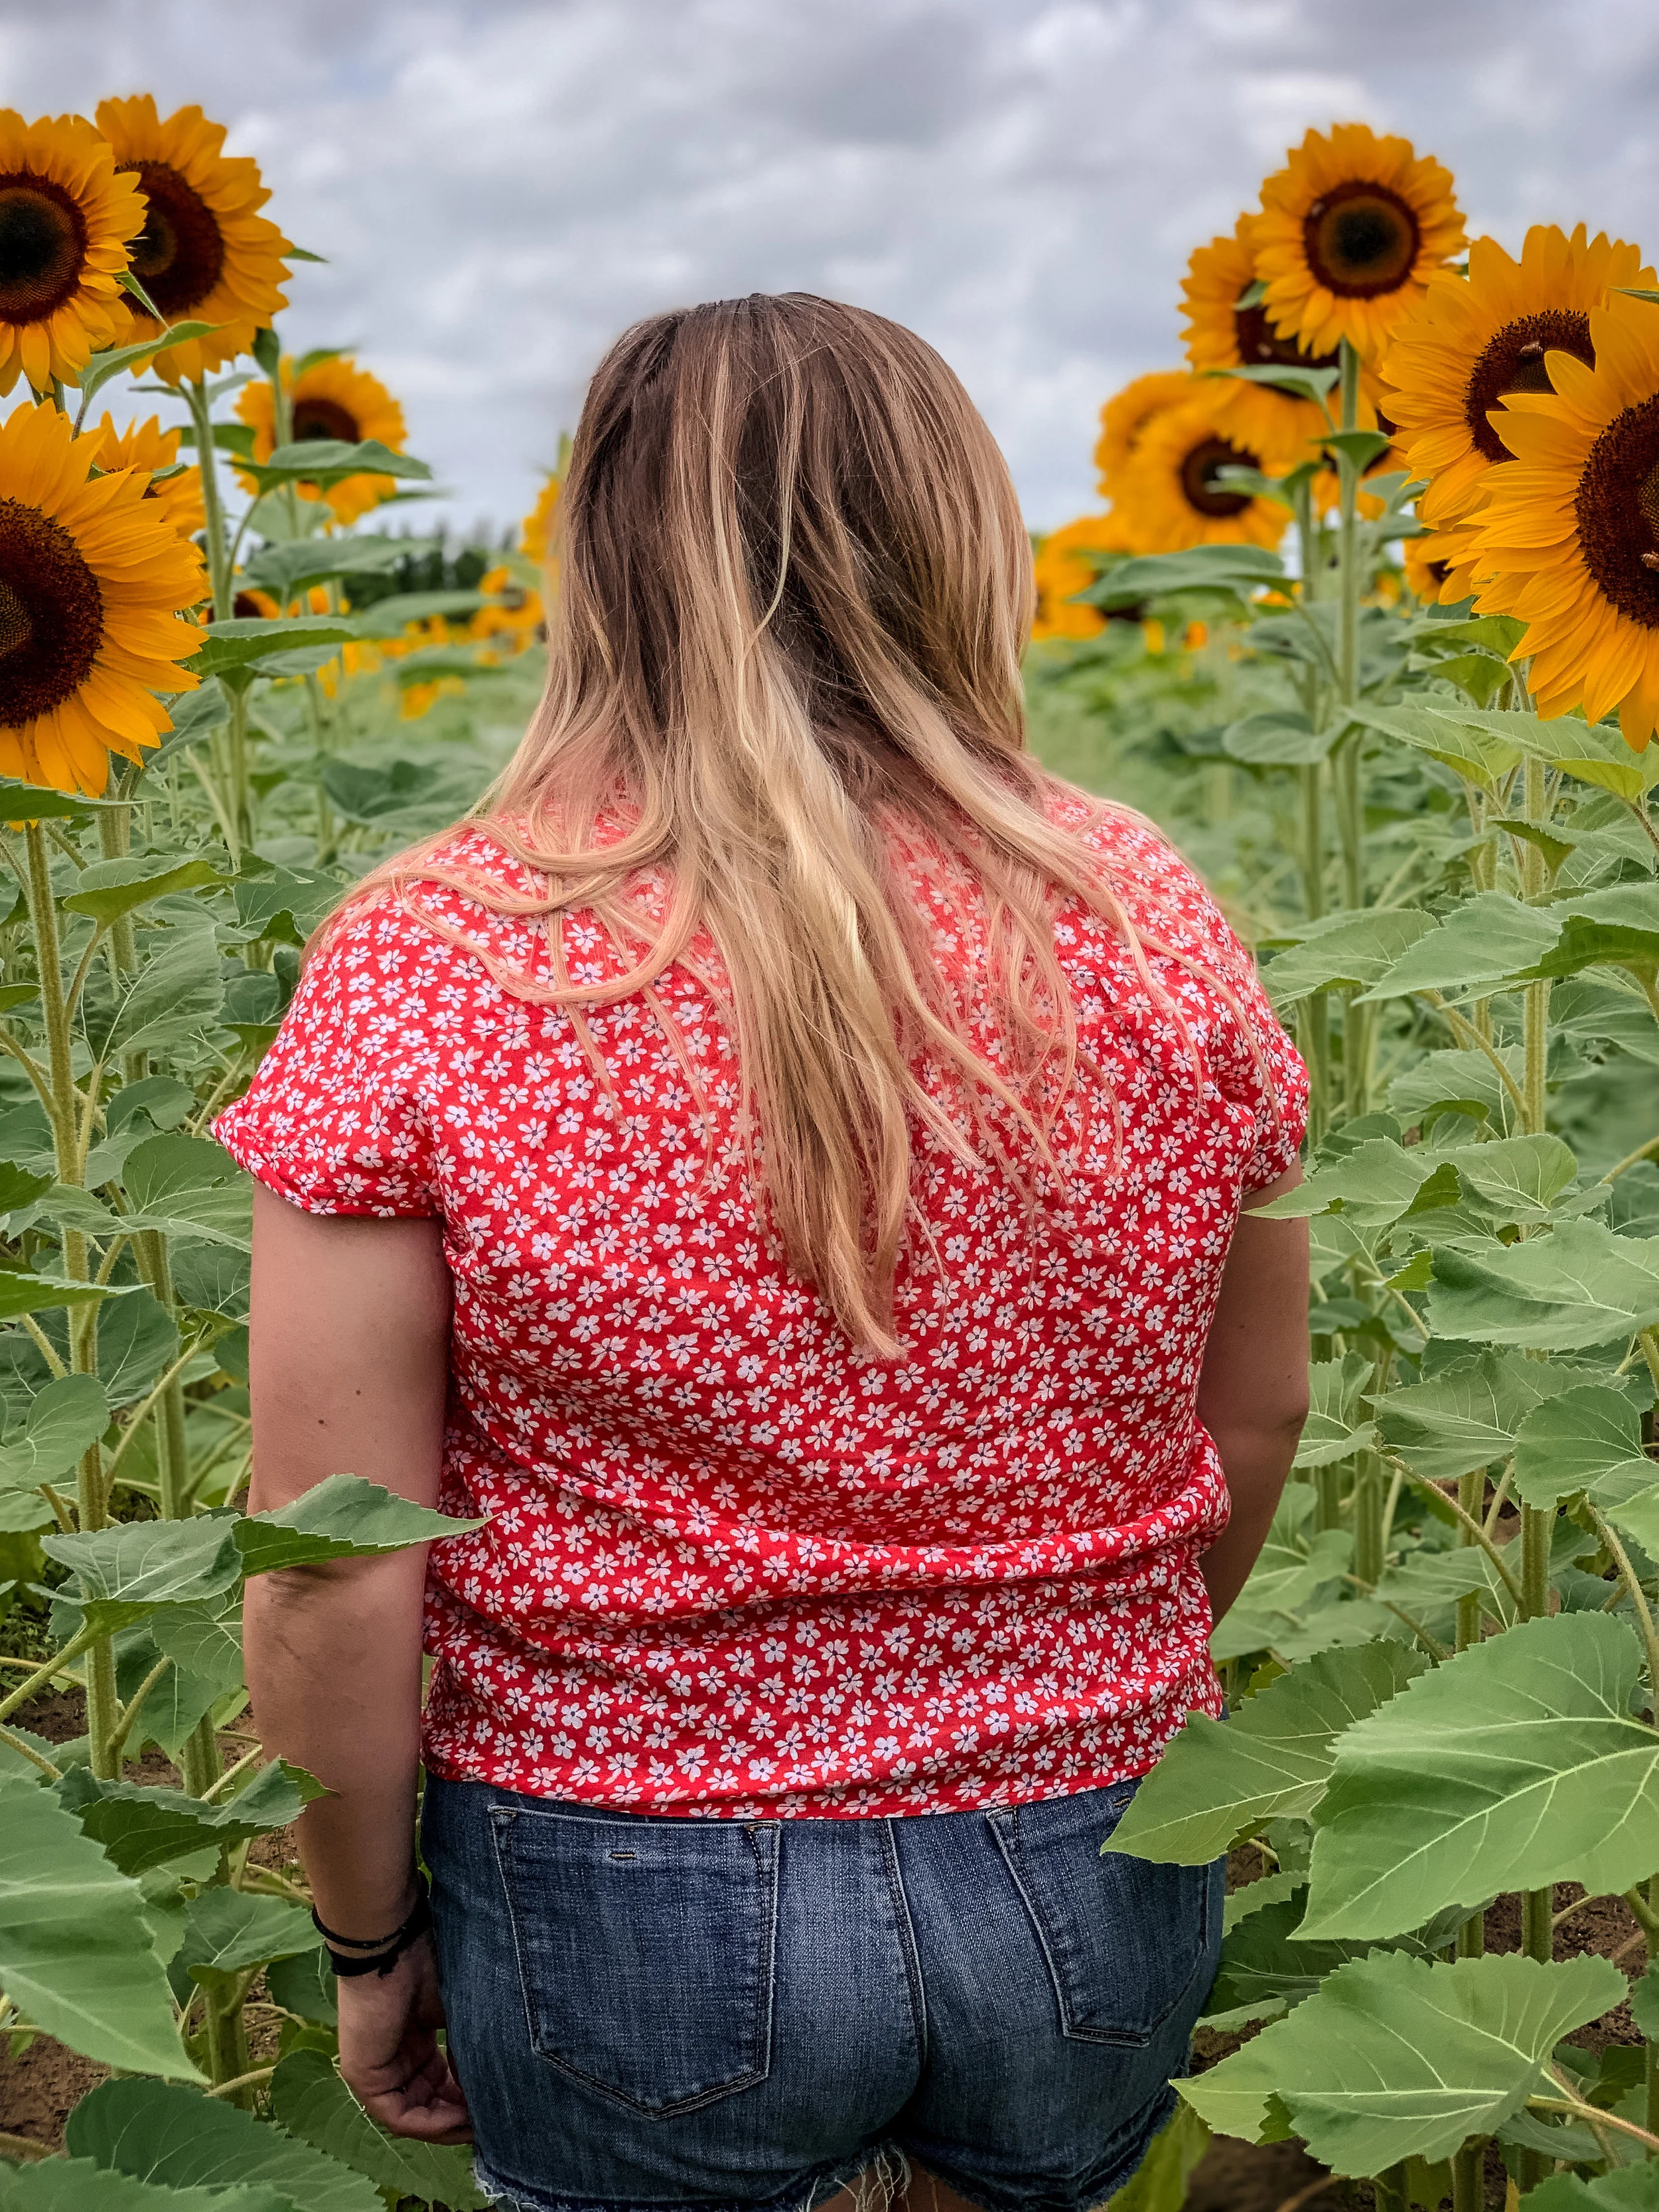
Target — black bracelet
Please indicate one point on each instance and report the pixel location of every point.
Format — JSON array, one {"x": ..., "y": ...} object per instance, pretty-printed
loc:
[{"x": 380, "y": 1954}]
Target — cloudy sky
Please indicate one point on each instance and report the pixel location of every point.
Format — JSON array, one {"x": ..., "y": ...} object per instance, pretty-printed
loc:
[{"x": 501, "y": 185}]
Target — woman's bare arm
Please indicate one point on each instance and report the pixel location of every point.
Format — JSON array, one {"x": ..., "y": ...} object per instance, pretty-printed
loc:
[
  {"x": 1253, "y": 1391},
  {"x": 348, "y": 1367}
]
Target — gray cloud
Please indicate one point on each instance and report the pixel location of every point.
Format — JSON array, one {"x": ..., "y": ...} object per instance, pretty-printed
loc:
[{"x": 501, "y": 187}]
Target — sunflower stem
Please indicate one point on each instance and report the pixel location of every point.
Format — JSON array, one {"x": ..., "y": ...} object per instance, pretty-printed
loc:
[
  {"x": 218, "y": 553},
  {"x": 1315, "y": 1013},
  {"x": 91, "y": 1495}
]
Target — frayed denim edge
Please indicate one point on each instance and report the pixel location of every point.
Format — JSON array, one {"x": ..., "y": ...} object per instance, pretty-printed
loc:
[{"x": 814, "y": 2189}]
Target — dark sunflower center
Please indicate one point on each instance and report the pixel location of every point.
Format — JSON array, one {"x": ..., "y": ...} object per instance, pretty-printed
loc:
[
  {"x": 1513, "y": 360},
  {"x": 1617, "y": 511},
  {"x": 1197, "y": 475},
  {"x": 52, "y": 614},
  {"x": 244, "y": 607},
  {"x": 1360, "y": 239},
  {"x": 43, "y": 248},
  {"x": 324, "y": 418},
  {"x": 1258, "y": 341},
  {"x": 178, "y": 254}
]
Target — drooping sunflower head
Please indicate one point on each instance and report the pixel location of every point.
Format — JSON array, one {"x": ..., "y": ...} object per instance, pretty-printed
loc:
[
  {"x": 93, "y": 576},
  {"x": 1469, "y": 343},
  {"x": 1125, "y": 417},
  {"x": 1173, "y": 496},
  {"x": 1063, "y": 568},
  {"x": 1350, "y": 230},
  {"x": 205, "y": 253},
  {"x": 329, "y": 399},
  {"x": 148, "y": 446},
  {"x": 1222, "y": 334},
  {"x": 65, "y": 218},
  {"x": 1567, "y": 539}
]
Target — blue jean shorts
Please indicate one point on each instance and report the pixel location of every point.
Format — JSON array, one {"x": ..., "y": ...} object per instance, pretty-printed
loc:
[{"x": 650, "y": 2014}]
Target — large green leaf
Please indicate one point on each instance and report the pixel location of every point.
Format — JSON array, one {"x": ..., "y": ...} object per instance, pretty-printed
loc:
[
  {"x": 75, "y": 1957},
  {"x": 189, "y": 1185},
  {"x": 313, "y": 2104},
  {"x": 1578, "y": 1286},
  {"x": 1627, "y": 2189},
  {"x": 1519, "y": 1178},
  {"x": 106, "y": 889},
  {"x": 175, "y": 990},
  {"x": 1466, "y": 1416},
  {"x": 1238, "y": 569},
  {"x": 1617, "y": 927},
  {"x": 176, "y": 2136},
  {"x": 1513, "y": 1765},
  {"x": 1394, "y": 2058},
  {"x": 138, "y": 1338},
  {"x": 1475, "y": 754},
  {"x": 228, "y": 1930},
  {"x": 1372, "y": 1186},
  {"x": 342, "y": 1518},
  {"x": 1274, "y": 1757},
  {"x": 329, "y": 460},
  {"x": 1344, "y": 948},
  {"x": 141, "y": 1826},
  {"x": 288, "y": 902},
  {"x": 124, "y": 1571},
  {"x": 1337, "y": 1424},
  {"x": 75, "y": 2185},
  {"x": 1486, "y": 938},
  {"x": 286, "y": 569},
  {"x": 63, "y": 1419},
  {"x": 1637, "y": 1515},
  {"x": 1584, "y": 1438},
  {"x": 22, "y": 1293}
]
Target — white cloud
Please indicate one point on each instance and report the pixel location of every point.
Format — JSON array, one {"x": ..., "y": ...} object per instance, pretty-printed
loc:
[{"x": 501, "y": 187}]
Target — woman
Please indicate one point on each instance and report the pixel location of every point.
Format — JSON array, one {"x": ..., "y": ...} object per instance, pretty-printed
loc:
[{"x": 779, "y": 1169}]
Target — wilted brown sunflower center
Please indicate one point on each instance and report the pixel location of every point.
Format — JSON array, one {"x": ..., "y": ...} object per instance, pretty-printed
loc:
[
  {"x": 178, "y": 254},
  {"x": 1360, "y": 239},
  {"x": 52, "y": 613},
  {"x": 324, "y": 418},
  {"x": 43, "y": 248},
  {"x": 1197, "y": 475},
  {"x": 1617, "y": 511},
  {"x": 1258, "y": 341},
  {"x": 1513, "y": 360}
]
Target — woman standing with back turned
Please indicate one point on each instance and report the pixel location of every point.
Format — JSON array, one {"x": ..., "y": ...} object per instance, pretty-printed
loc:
[{"x": 781, "y": 1166}]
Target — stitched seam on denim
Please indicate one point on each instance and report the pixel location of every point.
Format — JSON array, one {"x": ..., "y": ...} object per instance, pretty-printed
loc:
[
  {"x": 747, "y": 2080},
  {"x": 996, "y": 1823},
  {"x": 904, "y": 1929},
  {"x": 497, "y": 1828},
  {"x": 767, "y": 1868}
]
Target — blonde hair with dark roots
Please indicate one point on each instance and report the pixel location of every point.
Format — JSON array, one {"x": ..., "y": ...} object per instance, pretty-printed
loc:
[{"x": 794, "y": 591}]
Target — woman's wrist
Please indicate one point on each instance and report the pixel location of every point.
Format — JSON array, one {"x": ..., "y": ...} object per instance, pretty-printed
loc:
[{"x": 354, "y": 1954}]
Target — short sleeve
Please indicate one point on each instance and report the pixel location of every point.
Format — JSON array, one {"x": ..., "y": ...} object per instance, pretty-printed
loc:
[
  {"x": 1252, "y": 1058},
  {"x": 334, "y": 1118}
]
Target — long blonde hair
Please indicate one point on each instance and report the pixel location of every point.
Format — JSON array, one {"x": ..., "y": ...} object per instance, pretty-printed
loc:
[{"x": 794, "y": 592}]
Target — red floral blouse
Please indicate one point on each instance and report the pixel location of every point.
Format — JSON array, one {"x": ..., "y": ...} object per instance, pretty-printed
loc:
[{"x": 732, "y": 1566}]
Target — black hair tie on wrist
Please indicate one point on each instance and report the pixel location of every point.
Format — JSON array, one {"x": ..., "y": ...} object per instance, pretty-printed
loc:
[{"x": 377, "y": 1954}]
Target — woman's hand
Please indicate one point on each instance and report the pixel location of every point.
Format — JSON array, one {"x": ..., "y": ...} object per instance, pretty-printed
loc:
[{"x": 389, "y": 2055}]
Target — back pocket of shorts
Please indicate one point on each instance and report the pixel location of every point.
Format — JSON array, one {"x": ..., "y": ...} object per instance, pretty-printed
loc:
[
  {"x": 645, "y": 1950},
  {"x": 1125, "y": 1939}
]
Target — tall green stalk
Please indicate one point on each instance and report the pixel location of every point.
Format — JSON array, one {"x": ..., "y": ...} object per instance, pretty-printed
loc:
[
  {"x": 1314, "y": 1018},
  {"x": 92, "y": 1507},
  {"x": 218, "y": 549}
]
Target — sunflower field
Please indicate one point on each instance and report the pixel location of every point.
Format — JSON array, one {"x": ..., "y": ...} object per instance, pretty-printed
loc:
[{"x": 1369, "y": 621}]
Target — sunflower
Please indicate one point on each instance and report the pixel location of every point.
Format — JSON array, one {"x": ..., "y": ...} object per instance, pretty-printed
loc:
[
  {"x": 1124, "y": 419},
  {"x": 205, "y": 254},
  {"x": 1220, "y": 334},
  {"x": 91, "y": 578},
  {"x": 1350, "y": 230},
  {"x": 1567, "y": 539},
  {"x": 536, "y": 531},
  {"x": 1467, "y": 343},
  {"x": 1063, "y": 568},
  {"x": 1441, "y": 567},
  {"x": 330, "y": 399},
  {"x": 148, "y": 446},
  {"x": 65, "y": 218},
  {"x": 1170, "y": 498},
  {"x": 513, "y": 622}
]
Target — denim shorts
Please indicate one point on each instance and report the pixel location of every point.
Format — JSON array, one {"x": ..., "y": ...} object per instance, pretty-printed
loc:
[{"x": 649, "y": 2013}]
